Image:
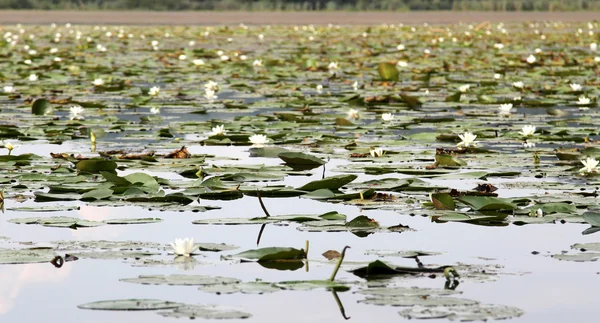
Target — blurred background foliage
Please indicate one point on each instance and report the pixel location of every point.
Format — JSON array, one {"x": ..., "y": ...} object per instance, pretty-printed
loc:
[{"x": 307, "y": 5}]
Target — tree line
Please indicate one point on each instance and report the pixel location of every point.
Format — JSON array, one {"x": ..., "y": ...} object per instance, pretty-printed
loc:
[{"x": 306, "y": 5}]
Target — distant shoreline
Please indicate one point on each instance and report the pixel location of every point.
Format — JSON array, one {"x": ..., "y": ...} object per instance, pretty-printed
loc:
[{"x": 40, "y": 17}]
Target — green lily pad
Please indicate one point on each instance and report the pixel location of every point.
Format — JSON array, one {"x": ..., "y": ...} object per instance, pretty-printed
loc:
[{"x": 130, "y": 305}]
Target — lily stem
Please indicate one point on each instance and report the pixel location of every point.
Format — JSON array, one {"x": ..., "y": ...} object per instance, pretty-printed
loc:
[{"x": 337, "y": 266}]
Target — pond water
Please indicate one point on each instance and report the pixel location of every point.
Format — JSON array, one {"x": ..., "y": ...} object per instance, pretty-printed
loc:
[{"x": 513, "y": 262}]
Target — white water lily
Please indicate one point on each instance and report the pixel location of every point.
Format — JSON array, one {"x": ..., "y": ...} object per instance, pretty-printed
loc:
[
  {"x": 518, "y": 84},
  {"x": 575, "y": 87},
  {"x": 98, "y": 82},
  {"x": 355, "y": 85},
  {"x": 211, "y": 85},
  {"x": 155, "y": 110},
  {"x": 376, "y": 152},
  {"x": 333, "y": 67},
  {"x": 583, "y": 100},
  {"x": 589, "y": 166},
  {"x": 210, "y": 95},
  {"x": 182, "y": 57},
  {"x": 387, "y": 117},
  {"x": 224, "y": 58},
  {"x": 76, "y": 112},
  {"x": 33, "y": 77},
  {"x": 498, "y": 45},
  {"x": 531, "y": 59},
  {"x": 539, "y": 213},
  {"x": 184, "y": 247},
  {"x": 257, "y": 63},
  {"x": 9, "y": 146},
  {"x": 9, "y": 89},
  {"x": 198, "y": 62},
  {"x": 218, "y": 130},
  {"x": 527, "y": 131},
  {"x": 400, "y": 47},
  {"x": 468, "y": 140},
  {"x": 154, "y": 91},
  {"x": 464, "y": 88},
  {"x": 353, "y": 114},
  {"x": 497, "y": 76},
  {"x": 593, "y": 47},
  {"x": 504, "y": 109},
  {"x": 258, "y": 140},
  {"x": 401, "y": 64},
  {"x": 319, "y": 88}
]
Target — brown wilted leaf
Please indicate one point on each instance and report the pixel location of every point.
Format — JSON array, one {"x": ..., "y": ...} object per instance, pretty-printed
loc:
[
  {"x": 357, "y": 155},
  {"x": 179, "y": 154},
  {"x": 67, "y": 156},
  {"x": 486, "y": 188},
  {"x": 331, "y": 254},
  {"x": 136, "y": 156}
]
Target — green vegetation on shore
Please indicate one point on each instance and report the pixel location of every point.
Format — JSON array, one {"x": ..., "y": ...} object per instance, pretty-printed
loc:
[{"x": 299, "y": 5}]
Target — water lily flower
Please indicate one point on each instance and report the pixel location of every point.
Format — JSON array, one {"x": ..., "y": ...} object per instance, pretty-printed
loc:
[
  {"x": 198, "y": 62},
  {"x": 353, "y": 114},
  {"x": 98, "y": 82},
  {"x": 597, "y": 59},
  {"x": 464, "y": 88},
  {"x": 575, "y": 87},
  {"x": 155, "y": 110},
  {"x": 9, "y": 89},
  {"x": 531, "y": 59},
  {"x": 76, "y": 112},
  {"x": 319, "y": 88},
  {"x": 387, "y": 117},
  {"x": 210, "y": 95},
  {"x": 27, "y": 62},
  {"x": 589, "y": 166},
  {"x": 527, "y": 131},
  {"x": 9, "y": 146},
  {"x": 376, "y": 152},
  {"x": 258, "y": 140},
  {"x": 497, "y": 76},
  {"x": 539, "y": 213},
  {"x": 355, "y": 85},
  {"x": 400, "y": 47},
  {"x": 518, "y": 84},
  {"x": 504, "y": 109},
  {"x": 218, "y": 130},
  {"x": 498, "y": 45},
  {"x": 583, "y": 100},
  {"x": 528, "y": 144},
  {"x": 33, "y": 77},
  {"x": 211, "y": 85},
  {"x": 224, "y": 58},
  {"x": 468, "y": 140},
  {"x": 593, "y": 47},
  {"x": 154, "y": 91},
  {"x": 184, "y": 247},
  {"x": 401, "y": 64},
  {"x": 182, "y": 57},
  {"x": 333, "y": 67},
  {"x": 257, "y": 63}
]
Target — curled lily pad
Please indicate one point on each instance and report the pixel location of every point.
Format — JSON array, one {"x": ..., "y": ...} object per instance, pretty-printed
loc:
[{"x": 271, "y": 254}]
